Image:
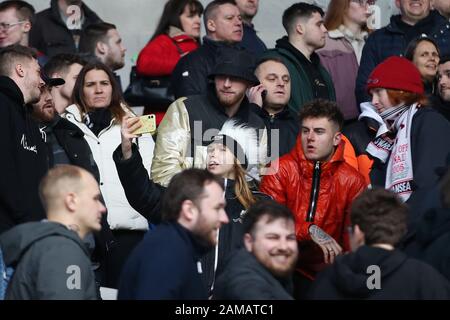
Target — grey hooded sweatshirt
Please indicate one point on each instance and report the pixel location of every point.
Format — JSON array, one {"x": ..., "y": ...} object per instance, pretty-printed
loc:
[{"x": 50, "y": 262}]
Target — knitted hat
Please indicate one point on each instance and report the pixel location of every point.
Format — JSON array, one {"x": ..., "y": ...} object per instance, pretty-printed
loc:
[
  {"x": 242, "y": 141},
  {"x": 396, "y": 73}
]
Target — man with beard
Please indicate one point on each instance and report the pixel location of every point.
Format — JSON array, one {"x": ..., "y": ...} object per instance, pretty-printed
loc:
[
  {"x": 250, "y": 40},
  {"x": 165, "y": 265},
  {"x": 57, "y": 29},
  {"x": 102, "y": 41},
  {"x": 191, "y": 122},
  {"x": 263, "y": 269},
  {"x": 24, "y": 156}
]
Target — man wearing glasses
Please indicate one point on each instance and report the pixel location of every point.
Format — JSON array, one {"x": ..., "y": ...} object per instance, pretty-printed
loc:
[{"x": 15, "y": 22}]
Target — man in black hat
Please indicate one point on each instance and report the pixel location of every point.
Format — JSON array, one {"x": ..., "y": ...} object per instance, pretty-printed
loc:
[{"x": 191, "y": 122}]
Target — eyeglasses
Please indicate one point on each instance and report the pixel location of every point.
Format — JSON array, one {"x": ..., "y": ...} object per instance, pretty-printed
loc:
[{"x": 7, "y": 26}]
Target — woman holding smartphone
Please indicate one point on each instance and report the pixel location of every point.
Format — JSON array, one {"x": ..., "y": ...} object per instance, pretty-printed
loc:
[
  {"x": 98, "y": 109},
  {"x": 229, "y": 155}
]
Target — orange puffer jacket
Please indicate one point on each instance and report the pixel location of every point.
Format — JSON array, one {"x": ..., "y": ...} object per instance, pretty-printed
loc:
[{"x": 294, "y": 185}]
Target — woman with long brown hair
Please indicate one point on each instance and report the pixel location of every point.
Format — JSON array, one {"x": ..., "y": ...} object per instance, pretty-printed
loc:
[{"x": 98, "y": 109}]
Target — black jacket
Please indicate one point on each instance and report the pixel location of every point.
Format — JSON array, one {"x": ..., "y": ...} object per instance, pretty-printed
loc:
[
  {"x": 50, "y": 34},
  {"x": 442, "y": 107},
  {"x": 23, "y": 161},
  {"x": 287, "y": 124},
  {"x": 45, "y": 255},
  {"x": 71, "y": 139},
  {"x": 431, "y": 241},
  {"x": 429, "y": 152},
  {"x": 190, "y": 76},
  {"x": 245, "y": 278},
  {"x": 164, "y": 266},
  {"x": 400, "y": 278}
]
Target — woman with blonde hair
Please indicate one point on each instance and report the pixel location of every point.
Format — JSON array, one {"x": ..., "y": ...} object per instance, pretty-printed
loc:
[
  {"x": 346, "y": 22},
  {"x": 98, "y": 109}
]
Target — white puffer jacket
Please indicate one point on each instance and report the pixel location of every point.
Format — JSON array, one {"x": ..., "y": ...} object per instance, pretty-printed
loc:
[{"x": 120, "y": 214}]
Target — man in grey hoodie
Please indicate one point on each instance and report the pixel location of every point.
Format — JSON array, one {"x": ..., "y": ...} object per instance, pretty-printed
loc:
[{"x": 49, "y": 257}]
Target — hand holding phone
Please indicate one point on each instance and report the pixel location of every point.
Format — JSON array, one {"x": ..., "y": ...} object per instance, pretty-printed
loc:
[{"x": 148, "y": 124}]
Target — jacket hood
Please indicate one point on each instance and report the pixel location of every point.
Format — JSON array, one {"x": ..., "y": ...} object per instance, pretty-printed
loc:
[
  {"x": 17, "y": 240},
  {"x": 350, "y": 272},
  {"x": 10, "y": 88},
  {"x": 434, "y": 223}
]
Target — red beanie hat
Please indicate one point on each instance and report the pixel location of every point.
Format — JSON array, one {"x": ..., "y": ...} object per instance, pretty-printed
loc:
[{"x": 396, "y": 73}]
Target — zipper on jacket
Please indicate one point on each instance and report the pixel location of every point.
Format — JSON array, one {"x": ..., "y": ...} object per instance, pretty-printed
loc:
[{"x": 314, "y": 193}]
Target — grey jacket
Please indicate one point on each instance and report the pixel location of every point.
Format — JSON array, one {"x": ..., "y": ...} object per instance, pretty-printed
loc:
[
  {"x": 50, "y": 262},
  {"x": 245, "y": 278}
]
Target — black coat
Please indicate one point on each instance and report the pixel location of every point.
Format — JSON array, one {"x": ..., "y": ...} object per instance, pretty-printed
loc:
[
  {"x": 190, "y": 76},
  {"x": 431, "y": 240},
  {"x": 400, "y": 278},
  {"x": 287, "y": 124},
  {"x": 50, "y": 34},
  {"x": 429, "y": 151},
  {"x": 23, "y": 159},
  {"x": 442, "y": 107},
  {"x": 245, "y": 278}
]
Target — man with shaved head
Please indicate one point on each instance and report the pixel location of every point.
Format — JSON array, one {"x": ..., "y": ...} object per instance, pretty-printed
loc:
[{"x": 49, "y": 257}]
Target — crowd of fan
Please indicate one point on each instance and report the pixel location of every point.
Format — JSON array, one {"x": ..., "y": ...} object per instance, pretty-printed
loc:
[{"x": 317, "y": 169}]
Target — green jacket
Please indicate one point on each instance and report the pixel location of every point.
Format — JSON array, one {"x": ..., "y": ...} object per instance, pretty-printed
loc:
[{"x": 301, "y": 91}]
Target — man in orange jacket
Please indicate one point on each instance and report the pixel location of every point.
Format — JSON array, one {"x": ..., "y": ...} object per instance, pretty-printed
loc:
[{"x": 316, "y": 183}]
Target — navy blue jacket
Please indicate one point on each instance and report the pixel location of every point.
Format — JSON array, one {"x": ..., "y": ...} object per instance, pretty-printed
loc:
[
  {"x": 251, "y": 41},
  {"x": 392, "y": 41},
  {"x": 163, "y": 266}
]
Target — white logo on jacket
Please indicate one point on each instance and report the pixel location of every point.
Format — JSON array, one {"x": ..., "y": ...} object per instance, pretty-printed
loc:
[{"x": 25, "y": 145}]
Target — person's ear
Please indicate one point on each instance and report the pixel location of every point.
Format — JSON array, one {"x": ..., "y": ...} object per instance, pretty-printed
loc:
[
  {"x": 26, "y": 27},
  {"x": 211, "y": 25},
  {"x": 19, "y": 69},
  {"x": 189, "y": 211},
  {"x": 300, "y": 27},
  {"x": 337, "y": 139},
  {"x": 360, "y": 237},
  {"x": 101, "y": 48},
  {"x": 397, "y": 3},
  {"x": 248, "y": 242},
  {"x": 71, "y": 201}
]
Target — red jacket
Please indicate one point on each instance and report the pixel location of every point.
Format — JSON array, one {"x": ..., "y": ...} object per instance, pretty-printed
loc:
[
  {"x": 339, "y": 184},
  {"x": 160, "y": 56}
]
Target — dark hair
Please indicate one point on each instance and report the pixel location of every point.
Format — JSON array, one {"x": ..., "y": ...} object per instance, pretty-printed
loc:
[
  {"x": 25, "y": 11},
  {"x": 321, "y": 108},
  {"x": 444, "y": 59},
  {"x": 117, "y": 102},
  {"x": 171, "y": 15},
  {"x": 381, "y": 215},
  {"x": 92, "y": 34},
  {"x": 211, "y": 8},
  {"x": 61, "y": 63},
  {"x": 186, "y": 185},
  {"x": 334, "y": 16},
  {"x": 296, "y": 11},
  {"x": 9, "y": 55},
  {"x": 412, "y": 46},
  {"x": 269, "y": 208}
]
